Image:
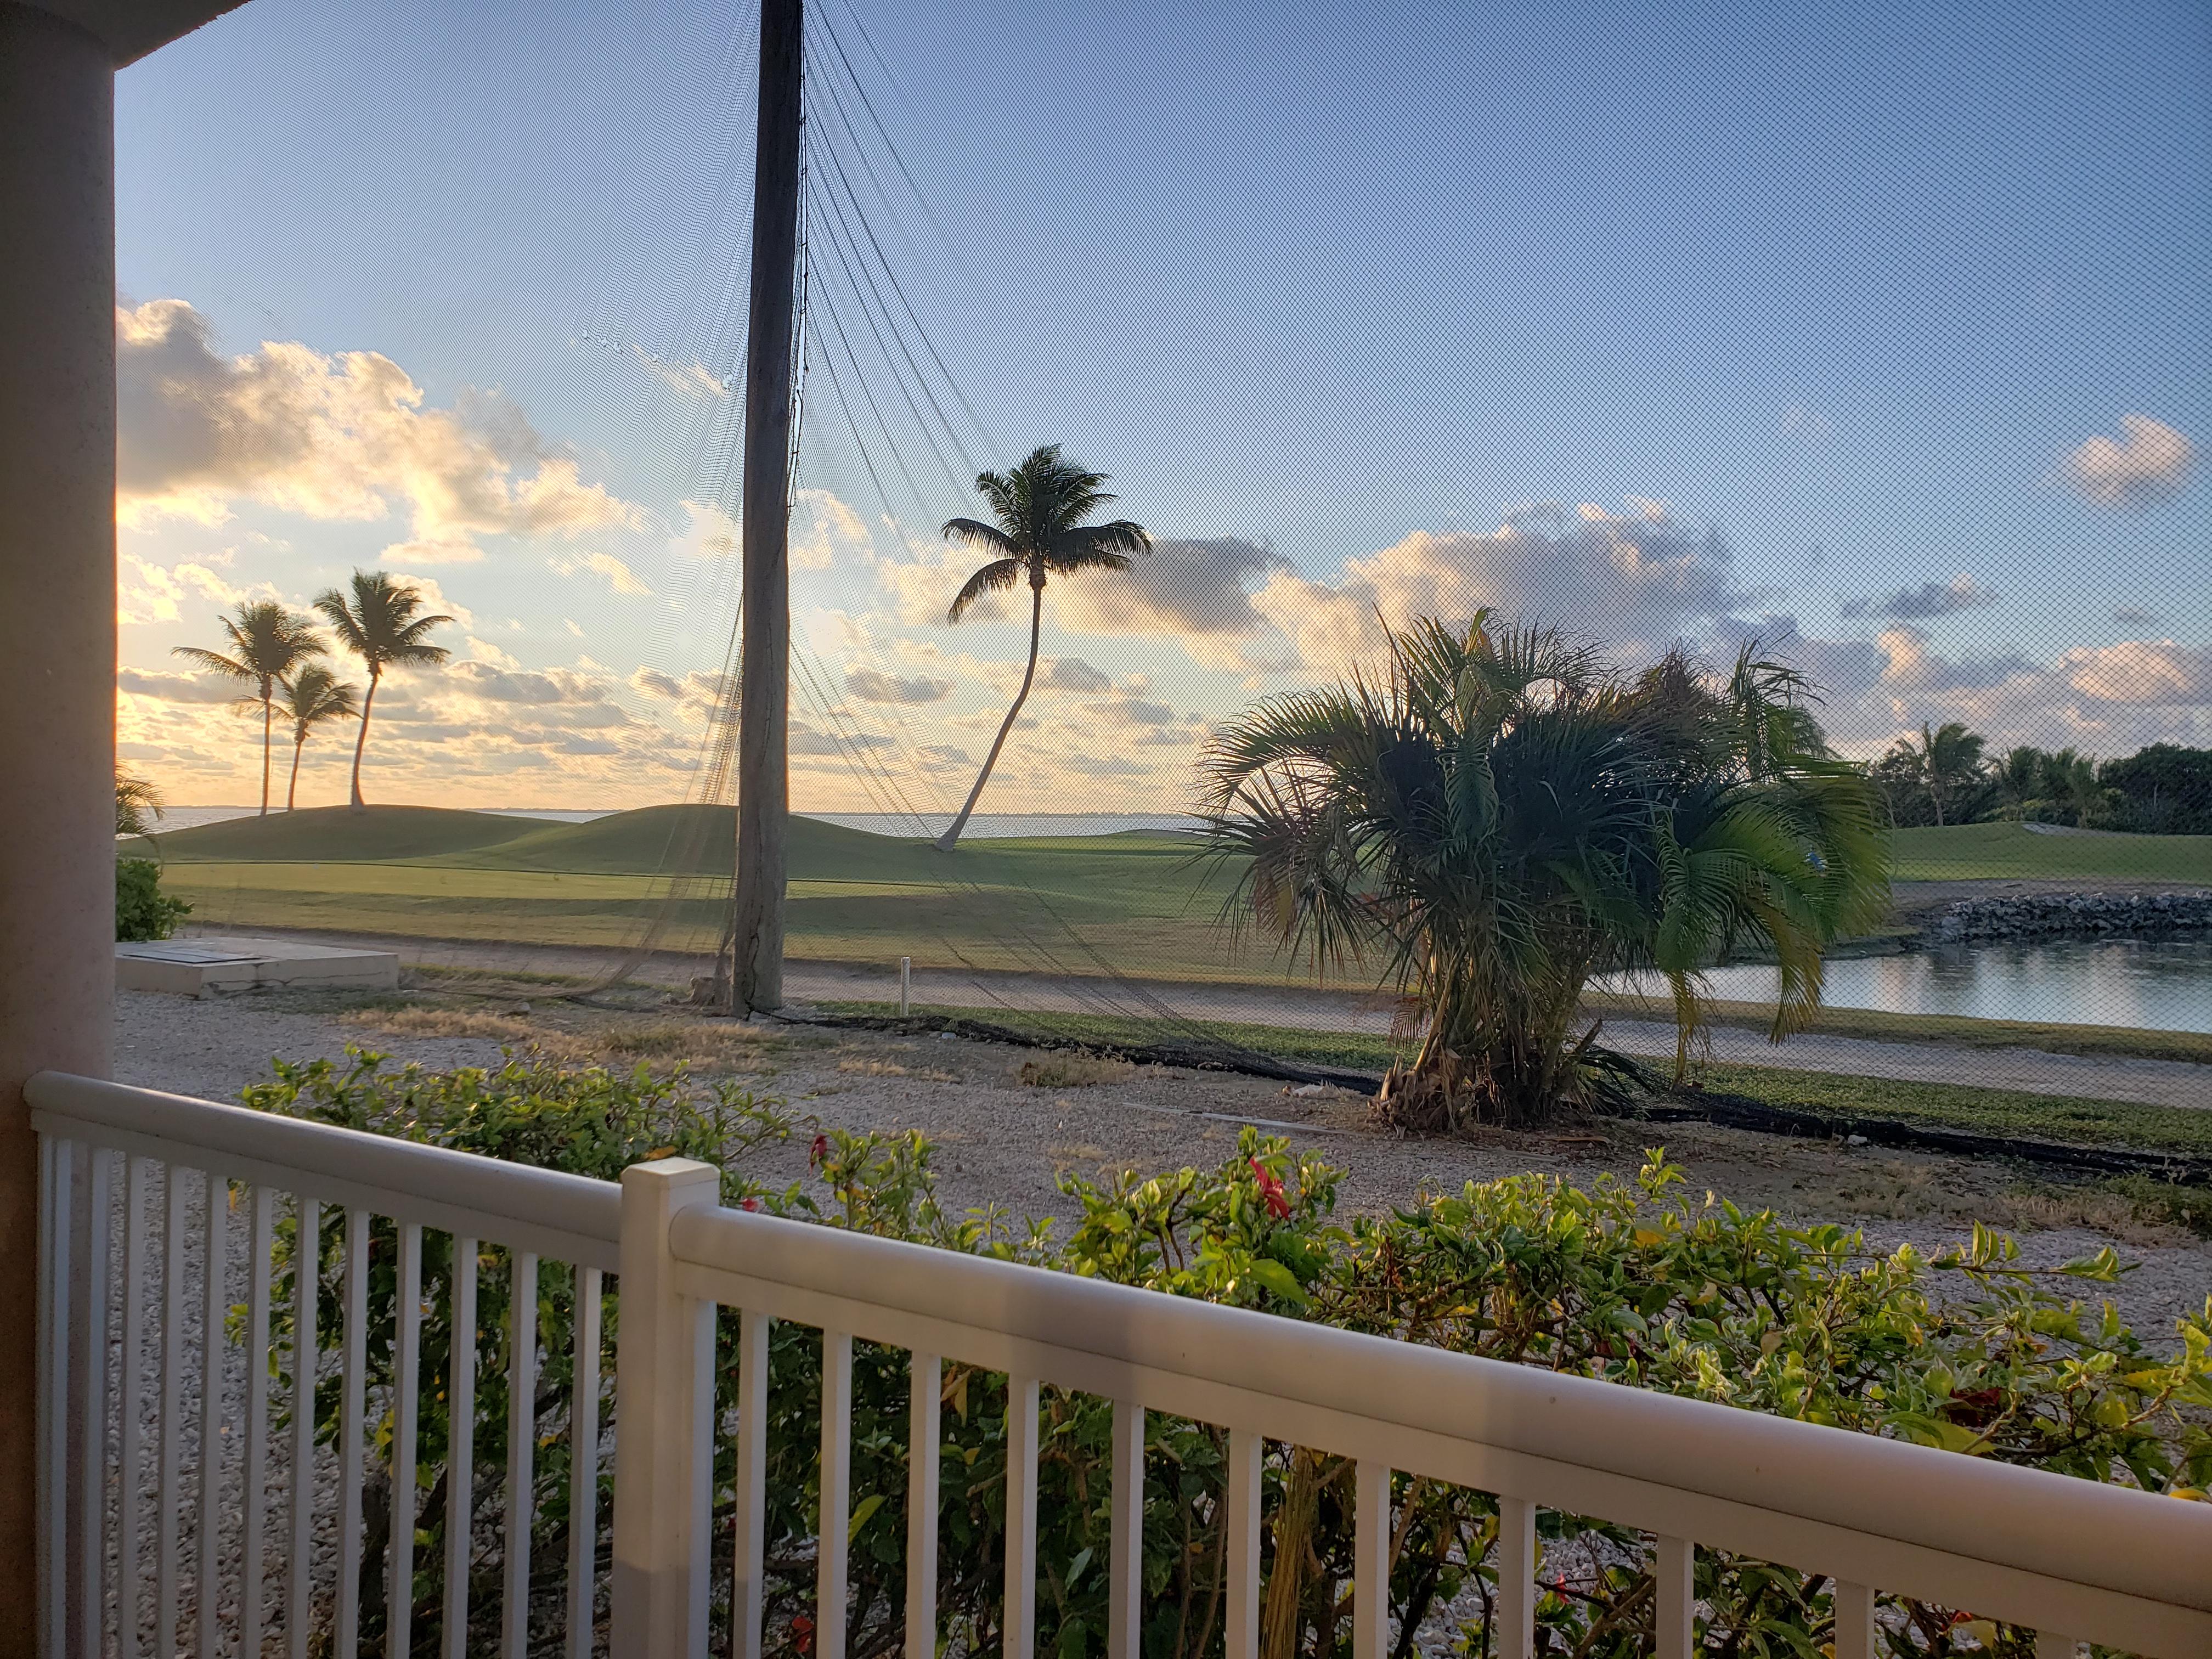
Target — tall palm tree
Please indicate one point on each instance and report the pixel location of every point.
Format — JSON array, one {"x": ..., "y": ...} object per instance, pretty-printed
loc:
[
  {"x": 1950, "y": 761},
  {"x": 313, "y": 697},
  {"x": 1501, "y": 817},
  {"x": 1037, "y": 510},
  {"x": 382, "y": 626},
  {"x": 267, "y": 642}
]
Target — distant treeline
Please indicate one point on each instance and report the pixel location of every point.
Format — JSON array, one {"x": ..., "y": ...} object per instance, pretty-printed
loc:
[{"x": 1949, "y": 775}]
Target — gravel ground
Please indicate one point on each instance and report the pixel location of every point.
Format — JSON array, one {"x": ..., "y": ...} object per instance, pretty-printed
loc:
[{"x": 1001, "y": 1142}]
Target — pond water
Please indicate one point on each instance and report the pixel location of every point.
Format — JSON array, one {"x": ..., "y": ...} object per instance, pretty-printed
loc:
[{"x": 2159, "y": 984}]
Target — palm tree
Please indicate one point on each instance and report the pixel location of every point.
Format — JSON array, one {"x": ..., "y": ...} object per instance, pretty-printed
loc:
[
  {"x": 1038, "y": 510},
  {"x": 380, "y": 626},
  {"x": 267, "y": 642},
  {"x": 1500, "y": 816},
  {"x": 137, "y": 803},
  {"x": 1950, "y": 760},
  {"x": 313, "y": 697}
]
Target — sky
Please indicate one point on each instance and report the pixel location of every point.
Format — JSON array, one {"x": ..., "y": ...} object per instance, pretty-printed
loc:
[{"x": 1877, "y": 333}]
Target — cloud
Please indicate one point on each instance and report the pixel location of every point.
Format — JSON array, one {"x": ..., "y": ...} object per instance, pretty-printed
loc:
[
  {"x": 1071, "y": 674},
  {"x": 148, "y": 593},
  {"x": 344, "y": 436},
  {"x": 2151, "y": 463},
  {"x": 942, "y": 757},
  {"x": 1192, "y": 589},
  {"x": 708, "y": 533},
  {"x": 176, "y": 687},
  {"x": 2141, "y": 672},
  {"x": 2134, "y": 616},
  {"x": 1638, "y": 581},
  {"x": 826, "y": 531},
  {"x": 807, "y": 741},
  {"x": 554, "y": 685},
  {"x": 1133, "y": 711},
  {"x": 485, "y": 651},
  {"x": 434, "y": 602},
  {"x": 871, "y": 685},
  {"x": 620, "y": 576},
  {"x": 1929, "y": 599}
]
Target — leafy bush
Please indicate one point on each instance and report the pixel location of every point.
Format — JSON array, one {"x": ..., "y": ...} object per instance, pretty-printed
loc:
[
  {"x": 143, "y": 910},
  {"x": 1633, "y": 1282}
]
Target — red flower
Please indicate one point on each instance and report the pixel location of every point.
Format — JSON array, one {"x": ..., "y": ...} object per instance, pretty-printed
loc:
[
  {"x": 752, "y": 1204},
  {"x": 820, "y": 1151},
  {"x": 802, "y": 1632},
  {"x": 1270, "y": 1190}
]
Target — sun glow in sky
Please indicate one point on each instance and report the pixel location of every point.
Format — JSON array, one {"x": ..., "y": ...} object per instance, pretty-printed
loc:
[{"x": 1881, "y": 333}]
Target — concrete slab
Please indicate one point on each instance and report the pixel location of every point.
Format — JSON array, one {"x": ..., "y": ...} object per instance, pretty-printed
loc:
[{"x": 201, "y": 966}]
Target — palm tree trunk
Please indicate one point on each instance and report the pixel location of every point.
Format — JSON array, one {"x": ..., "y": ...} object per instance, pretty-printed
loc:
[
  {"x": 268, "y": 715},
  {"x": 361, "y": 741},
  {"x": 293, "y": 793},
  {"x": 951, "y": 838}
]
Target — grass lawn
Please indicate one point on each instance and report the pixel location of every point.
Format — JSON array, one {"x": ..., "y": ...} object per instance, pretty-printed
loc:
[
  {"x": 2011, "y": 852},
  {"x": 1137, "y": 903}
]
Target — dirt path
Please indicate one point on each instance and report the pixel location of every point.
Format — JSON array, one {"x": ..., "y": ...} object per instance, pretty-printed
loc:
[{"x": 2147, "y": 1082}]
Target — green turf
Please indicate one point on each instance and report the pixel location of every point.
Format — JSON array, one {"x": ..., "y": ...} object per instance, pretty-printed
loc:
[
  {"x": 333, "y": 833},
  {"x": 1991, "y": 852}
]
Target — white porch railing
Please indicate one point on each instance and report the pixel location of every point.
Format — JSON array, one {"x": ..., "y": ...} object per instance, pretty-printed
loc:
[{"x": 124, "y": 1456}]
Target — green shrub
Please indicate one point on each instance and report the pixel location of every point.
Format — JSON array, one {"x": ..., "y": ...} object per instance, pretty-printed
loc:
[
  {"x": 143, "y": 910},
  {"x": 1633, "y": 1282}
]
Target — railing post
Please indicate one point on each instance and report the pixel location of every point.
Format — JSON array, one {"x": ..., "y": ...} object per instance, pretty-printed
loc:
[{"x": 664, "y": 1423}]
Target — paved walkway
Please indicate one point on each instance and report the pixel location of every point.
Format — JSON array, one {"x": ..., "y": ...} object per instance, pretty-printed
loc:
[{"x": 2152, "y": 1082}]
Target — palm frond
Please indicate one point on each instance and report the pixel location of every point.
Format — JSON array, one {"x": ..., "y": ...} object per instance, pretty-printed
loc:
[{"x": 995, "y": 577}]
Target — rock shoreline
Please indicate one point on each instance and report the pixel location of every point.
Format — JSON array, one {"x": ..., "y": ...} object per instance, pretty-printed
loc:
[{"x": 2075, "y": 916}]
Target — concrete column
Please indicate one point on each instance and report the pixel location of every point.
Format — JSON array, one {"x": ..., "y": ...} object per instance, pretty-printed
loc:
[{"x": 57, "y": 660}]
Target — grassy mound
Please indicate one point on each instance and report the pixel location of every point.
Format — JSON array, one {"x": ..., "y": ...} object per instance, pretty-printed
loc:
[{"x": 331, "y": 834}]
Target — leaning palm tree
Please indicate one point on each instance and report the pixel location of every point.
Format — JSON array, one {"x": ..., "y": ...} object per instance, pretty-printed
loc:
[
  {"x": 1499, "y": 817},
  {"x": 313, "y": 697},
  {"x": 1038, "y": 510},
  {"x": 267, "y": 642},
  {"x": 381, "y": 624}
]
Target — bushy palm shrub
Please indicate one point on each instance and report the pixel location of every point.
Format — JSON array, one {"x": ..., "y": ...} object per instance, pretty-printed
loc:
[
  {"x": 1635, "y": 1282},
  {"x": 1501, "y": 816}
]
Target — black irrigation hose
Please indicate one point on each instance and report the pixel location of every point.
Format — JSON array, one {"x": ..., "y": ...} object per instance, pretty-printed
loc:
[{"x": 1729, "y": 1111}]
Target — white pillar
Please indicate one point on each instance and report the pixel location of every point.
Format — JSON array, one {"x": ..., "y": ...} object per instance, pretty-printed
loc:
[{"x": 56, "y": 655}]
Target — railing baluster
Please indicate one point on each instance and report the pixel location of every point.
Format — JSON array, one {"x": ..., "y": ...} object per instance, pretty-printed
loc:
[
  {"x": 215, "y": 1309},
  {"x": 584, "y": 1468},
  {"x": 521, "y": 1437},
  {"x": 460, "y": 1451},
  {"x": 836, "y": 1512},
  {"x": 1371, "y": 1560},
  {"x": 352, "y": 1432},
  {"x": 1020, "y": 1635},
  {"x": 924, "y": 1417},
  {"x": 2051, "y": 1646},
  {"x": 129, "y": 1561},
  {"x": 307, "y": 1354},
  {"x": 751, "y": 1493},
  {"x": 1854, "y": 1609},
  {"x": 1675, "y": 1575},
  {"x": 53, "y": 1405},
  {"x": 406, "y": 1375},
  {"x": 171, "y": 1499},
  {"x": 92, "y": 1472},
  {"x": 1245, "y": 1451},
  {"x": 1125, "y": 1536},
  {"x": 261, "y": 1227},
  {"x": 1516, "y": 1578}
]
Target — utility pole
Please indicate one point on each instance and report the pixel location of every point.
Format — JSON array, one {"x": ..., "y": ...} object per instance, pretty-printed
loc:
[{"x": 764, "y": 676}]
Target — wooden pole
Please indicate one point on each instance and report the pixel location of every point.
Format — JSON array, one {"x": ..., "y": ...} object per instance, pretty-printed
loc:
[{"x": 764, "y": 679}]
